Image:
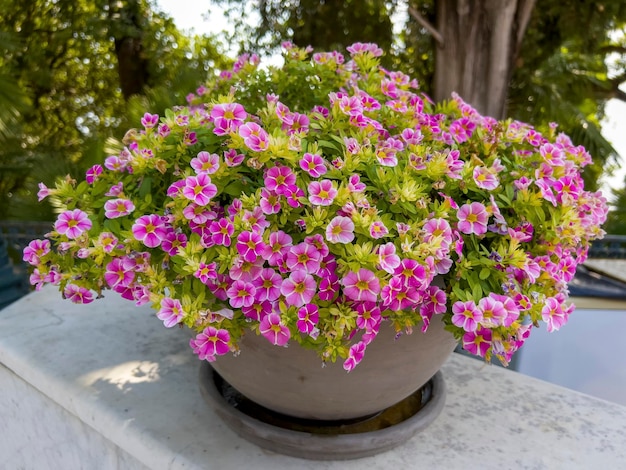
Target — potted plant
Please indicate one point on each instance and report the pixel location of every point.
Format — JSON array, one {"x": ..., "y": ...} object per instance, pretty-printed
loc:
[{"x": 323, "y": 204}]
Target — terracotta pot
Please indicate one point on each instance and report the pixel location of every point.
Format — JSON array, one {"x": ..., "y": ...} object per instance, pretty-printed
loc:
[{"x": 292, "y": 380}]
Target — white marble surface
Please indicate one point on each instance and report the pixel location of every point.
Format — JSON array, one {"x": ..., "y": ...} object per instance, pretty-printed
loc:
[{"x": 115, "y": 370}]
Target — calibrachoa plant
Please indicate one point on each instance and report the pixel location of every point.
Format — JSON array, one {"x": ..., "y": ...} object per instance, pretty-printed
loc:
[{"x": 314, "y": 202}]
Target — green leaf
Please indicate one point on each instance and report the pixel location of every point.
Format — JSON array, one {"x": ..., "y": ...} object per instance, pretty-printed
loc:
[{"x": 484, "y": 273}]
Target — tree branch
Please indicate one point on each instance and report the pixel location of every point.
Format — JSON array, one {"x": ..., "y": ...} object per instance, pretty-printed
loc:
[
  {"x": 524, "y": 12},
  {"x": 426, "y": 25}
]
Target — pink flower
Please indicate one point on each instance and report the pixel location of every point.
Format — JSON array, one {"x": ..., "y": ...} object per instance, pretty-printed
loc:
[
  {"x": 78, "y": 295},
  {"x": 485, "y": 179},
  {"x": 361, "y": 286},
  {"x": 72, "y": 223},
  {"x": 269, "y": 202},
  {"x": 267, "y": 285},
  {"x": 279, "y": 178},
  {"x": 473, "y": 218},
  {"x": 232, "y": 158},
  {"x": 93, "y": 173},
  {"x": 378, "y": 230},
  {"x": 313, "y": 165},
  {"x": 368, "y": 316},
  {"x": 477, "y": 342},
  {"x": 171, "y": 312},
  {"x": 149, "y": 120},
  {"x": 35, "y": 250},
  {"x": 43, "y": 192},
  {"x": 150, "y": 229},
  {"x": 355, "y": 355},
  {"x": 233, "y": 113},
  {"x": 466, "y": 315},
  {"x": 493, "y": 312},
  {"x": 411, "y": 273},
  {"x": 250, "y": 245},
  {"x": 304, "y": 257},
  {"x": 173, "y": 241},
  {"x": 308, "y": 316},
  {"x": 272, "y": 328},
  {"x": 340, "y": 230},
  {"x": 553, "y": 314},
  {"x": 241, "y": 294},
  {"x": 115, "y": 208},
  {"x": 206, "y": 162},
  {"x": 206, "y": 272},
  {"x": 362, "y": 48},
  {"x": 199, "y": 189},
  {"x": 116, "y": 274},
  {"x": 255, "y": 137},
  {"x": 210, "y": 343},
  {"x": 298, "y": 289},
  {"x": 277, "y": 247},
  {"x": 387, "y": 258},
  {"x": 221, "y": 231}
]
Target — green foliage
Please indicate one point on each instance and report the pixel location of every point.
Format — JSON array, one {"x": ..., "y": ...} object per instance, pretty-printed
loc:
[{"x": 61, "y": 85}]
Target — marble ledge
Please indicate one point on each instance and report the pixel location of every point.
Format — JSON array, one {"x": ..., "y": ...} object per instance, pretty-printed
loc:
[{"x": 114, "y": 389}]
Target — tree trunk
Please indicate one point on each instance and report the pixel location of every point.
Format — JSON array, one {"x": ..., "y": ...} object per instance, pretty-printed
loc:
[
  {"x": 480, "y": 41},
  {"x": 127, "y": 33}
]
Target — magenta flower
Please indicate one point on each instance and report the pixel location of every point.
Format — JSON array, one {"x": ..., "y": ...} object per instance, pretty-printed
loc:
[
  {"x": 355, "y": 355},
  {"x": 255, "y": 137},
  {"x": 116, "y": 274},
  {"x": 485, "y": 179},
  {"x": 151, "y": 230},
  {"x": 493, "y": 312},
  {"x": 362, "y": 48},
  {"x": 308, "y": 316},
  {"x": 466, "y": 315},
  {"x": 329, "y": 286},
  {"x": 387, "y": 258},
  {"x": 249, "y": 245},
  {"x": 199, "y": 189},
  {"x": 115, "y": 208},
  {"x": 232, "y": 158},
  {"x": 72, "y": 223},
  {"x": 553, "y": 314},
  {"x": 267, "y": 285},
  {"x": 477, "y": 342},
  {"x": 93, "y": 173},
  {"x": 378, "y": 229},
  {"x": 313, "y": 164},
  {"x": 232, "y": 112},
  {"x": 368, "y": 316},
  {"x": 171, "y": 312},
  {"x": 473, "y": 218},
  {"x": 210, "y": 343},
  {"x": 241, "y": 294},
  {"x": 78, "y": 295},
  {"x": 279, "y": 178},
  {"x": 340, "y": 230},
  {"x": 206, "y": 272},
  {"x": 35, "y": 250},
  {"x": 303, "y": 257},
  {"x": 221, "y": 231},
  {"x": 411, "y": 273},
  {"x": 299, "y": 288},
  {"x": 272, "y": 328},
  {"x": 362, "y": 286},
  {"x": 173, "y": 241},
  {"x": 206, "y": 162},
  {"x": 43, "y": 192},
  {"x": 149, "y": 120},
  {"x": 277, "y": 247}
]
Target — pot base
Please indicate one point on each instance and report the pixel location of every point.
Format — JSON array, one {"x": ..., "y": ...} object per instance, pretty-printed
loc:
[{"x": 323, "y": 440}]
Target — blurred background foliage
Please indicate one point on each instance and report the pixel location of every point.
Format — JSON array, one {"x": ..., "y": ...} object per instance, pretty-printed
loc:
[{"x": 75, "y": 74}]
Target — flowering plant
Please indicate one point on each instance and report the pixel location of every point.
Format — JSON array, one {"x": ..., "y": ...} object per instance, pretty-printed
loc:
[{"x": 311, "y": 202}]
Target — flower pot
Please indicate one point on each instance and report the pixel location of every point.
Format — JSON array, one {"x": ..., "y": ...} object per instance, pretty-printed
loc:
[
  {"x": 284, "y": 400},
  {"x": 293, "y": 380}
]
